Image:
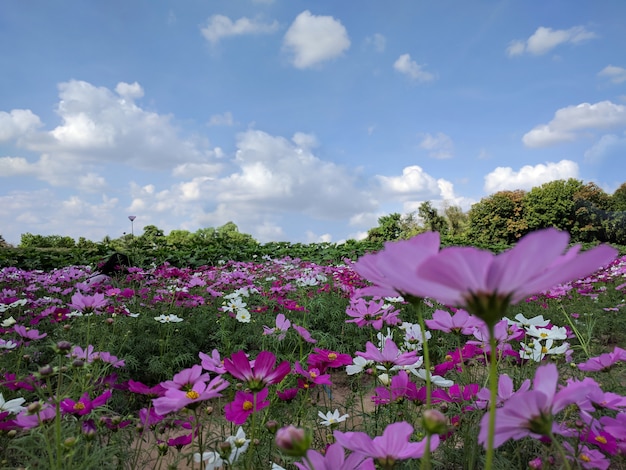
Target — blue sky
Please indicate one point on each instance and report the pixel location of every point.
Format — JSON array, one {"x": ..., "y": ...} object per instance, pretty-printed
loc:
[{"x": 298, "y": 121}]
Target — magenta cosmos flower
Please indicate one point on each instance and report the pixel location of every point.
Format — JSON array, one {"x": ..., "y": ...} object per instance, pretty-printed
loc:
[
  {"x": 87, "y": 303},
  {"x": 258, "y": 373},
  {"x": 392, "y": 446},
  {"x": 244, "y": 404},
  {"x": 393, "y": 269},
  {"x": 485, "y": 284},
  {"x": 335, "y": 459},
  {"x": 84, "y": 405}
]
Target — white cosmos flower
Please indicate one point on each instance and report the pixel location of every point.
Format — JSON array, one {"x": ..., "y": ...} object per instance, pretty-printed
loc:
[
  {"x": 12, "y": 406},
  {"x": 234, "y": 303},
  {"x": 545, "y": 333},
  {"x": 537, "y": 351},
  {"x": 330, "y": 418},
  {"x": 238, "y": 444},
  {"x": 243, "y": 316},
  {"x": 212, "y": 460},
  {"x": 8, "y": 322},
  {"x": 168, "y": 319},
  {"x": 384, "y": 379},
  {"x": 524, "y": 322},
  {"x": 434, "y": 379},
  {"x": 358, "y": 365},
  {"x": 8, "y": 344}
]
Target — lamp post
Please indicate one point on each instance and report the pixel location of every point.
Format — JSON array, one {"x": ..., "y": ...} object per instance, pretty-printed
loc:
[{"x": 132, "y": 228}]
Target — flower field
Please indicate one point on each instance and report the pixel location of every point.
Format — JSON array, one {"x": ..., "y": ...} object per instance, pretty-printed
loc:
[{"x": 413, "y": 357}]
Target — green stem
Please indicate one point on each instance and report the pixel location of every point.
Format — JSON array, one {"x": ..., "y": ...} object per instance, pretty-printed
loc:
[
  {"x": 584, "y": 344},
  {"x": 561, "y": 451},
  {"x": 425, "y": 461},
  {"x": 493, "y": 388}
]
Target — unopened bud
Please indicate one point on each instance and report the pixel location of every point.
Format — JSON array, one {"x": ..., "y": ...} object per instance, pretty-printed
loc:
[
  {"x": 434, "y": 422},
  {"x": 272, "y": 426},
  {"x": 293, "y": 441}
]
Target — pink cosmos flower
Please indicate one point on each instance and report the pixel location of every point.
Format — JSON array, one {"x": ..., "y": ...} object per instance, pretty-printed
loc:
[
  {"x": 485, "y": 284},
  {"x": 603, "y": 361},
  {"x": 373, "y": 312},
  {"x": 335, "y": 459},
  {"x": 389, "y": 356},
  {"x": 84, "y": 405},
  {"x": 462, "y": 322},
  {"x": 137, "y": 387},
  {"x": 323, "y": 359},
  {"x": 258, "y": 373},
  {"x": 212, "y": 363},
  {"x": 304, "y": 333},
  {"x": 313, "y": 376},
  {"x": 393, "y": 270},
  {"x": 505, "y": 391},
  {"x": 176, "y": 399},
  {"x": 186, "y": 378},
  {"x": 27, "y": 420},
  {"x": 399, "y": 388},
  {"x": 244, "y": 404},
  {"x": 392, "y": 446},
  {"x": 282, "y": 325},
  {"x": 586, "y": 457},
  {"x": 28, "y": 334},
  {"x": 531, "y": 413},
  {"x": 87, "y": 303}
]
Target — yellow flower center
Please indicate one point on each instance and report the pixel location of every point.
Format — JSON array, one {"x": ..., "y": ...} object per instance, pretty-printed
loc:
[
  {"x": 332, "y": 356},
  {"x": 192, "y": 395},
  {"x": 247, "y": 405},
  {"x": 79, "y": 406},
  {"x": 448, "y": 357},
  {"x": 543, "y": 335},
  {"x": 313, "y": 375},
  {"x": 544, "y": 350},
  {"x": 601, "y": 439},
  {"x": 585, "y": 458}
]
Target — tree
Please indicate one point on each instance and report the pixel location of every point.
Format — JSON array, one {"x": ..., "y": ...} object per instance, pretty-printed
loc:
[
  {"x": 28, "y": 240},
  {"x": 180, "y": 238},
  {"x": 388, "y": 228},
  {"x": 3, "y": 243},
  {"x": 431, "y": 218},
  {"x": 618, "y": 199},
  {"x": 498, "y": 218},
  {"x": 592, "y": 206},
  {"x": 457, "y": 220},
  {"x": 552, "y": 205}
]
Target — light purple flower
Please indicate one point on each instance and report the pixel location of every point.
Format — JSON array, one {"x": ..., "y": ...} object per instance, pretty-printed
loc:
[
  {"x": 485, "y": 284},
  {"x": 390, "y": 355},
  {"x": 393, "y": 445},
  {"x": 282, "y": 325},
  {"x": 335, "y": 459},
  {"x": 460, "y": 322},
  {"x": 603, "y": 361},
  {"x": 28, "y": 334},
  {"x": 531, "y": 413}
]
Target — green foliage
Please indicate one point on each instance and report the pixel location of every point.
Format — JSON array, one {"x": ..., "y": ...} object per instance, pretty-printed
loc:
[
  {"x": 618, "y": 199},
  {"x": 553, "y": 205},
  {"x": 457, "y": 220},
  {"x": 28, "y": 240},
  {"x": 431, "y": 218},
  {"x": 499, "y": 218},
  {"x": 388, "y": 228}
]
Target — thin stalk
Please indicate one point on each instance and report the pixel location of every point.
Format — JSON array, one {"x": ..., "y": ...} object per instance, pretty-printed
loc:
[{"x": 493, "y": 388}]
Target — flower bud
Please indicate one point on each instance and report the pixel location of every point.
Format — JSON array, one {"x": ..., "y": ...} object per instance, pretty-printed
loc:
[
  {"x": 224, "y": 449},
  {"x": 62, "y": 347},
  {"x": 293, "y": 441},
  {"x": 434, "y": 421},
  {"x": 46, "y": 370},
  {"x": 272, "y": 426},
  {"x": 34, "y": 408}
]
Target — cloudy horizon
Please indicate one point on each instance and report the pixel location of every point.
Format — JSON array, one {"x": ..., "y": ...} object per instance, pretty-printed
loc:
[{"x": 297, "y": 121}]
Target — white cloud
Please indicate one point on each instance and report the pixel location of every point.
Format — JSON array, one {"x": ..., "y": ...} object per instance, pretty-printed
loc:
[
  {"x": 545, "y": 39},
  {"x": 17, "y": 123},
  {"x": 439, "y": 146},
  {"x": 311, "y": 40},
  {"x": 225, "y": 119},
  {"x": 609, "y": 147},
  {"x": 99, "y": 127},
  {"x": 220, "y": 26},
  {"x": 305, "y": 141},
  {"x": 413, "y": 184},
  {"x": 412, "y": 69},
  {"x": 615, "y": 74},
  {"x": 505, "y": 178},
  {"x": 377, "y": 41},
  {"x": 312, "y": 237},
  {"x": 567, "y": 121}
]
